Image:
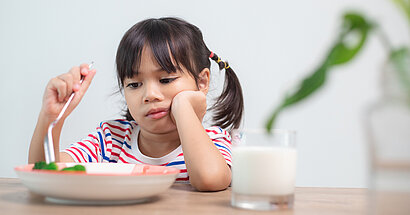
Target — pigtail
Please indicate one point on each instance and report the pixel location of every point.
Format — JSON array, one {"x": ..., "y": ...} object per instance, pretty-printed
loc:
[{"x": 228, "y": 108}]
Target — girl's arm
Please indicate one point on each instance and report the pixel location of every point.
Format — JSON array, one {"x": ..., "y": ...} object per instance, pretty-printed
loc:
[
  {"x": 207, "y": 168},
  {"x": 57, "y": 92}
]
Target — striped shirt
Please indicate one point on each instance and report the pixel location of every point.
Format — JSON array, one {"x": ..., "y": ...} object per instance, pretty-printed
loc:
[{"x": 116, "y": 141}]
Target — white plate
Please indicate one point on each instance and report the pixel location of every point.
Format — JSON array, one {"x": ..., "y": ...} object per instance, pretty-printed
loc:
[{"x": 103, "y": 183}]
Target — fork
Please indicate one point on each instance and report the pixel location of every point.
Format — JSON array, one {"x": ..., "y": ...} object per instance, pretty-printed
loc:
[{"x": 48, "y": 139}]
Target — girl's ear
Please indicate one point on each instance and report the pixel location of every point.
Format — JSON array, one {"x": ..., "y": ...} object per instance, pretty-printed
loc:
[{"x": 203, "y": 80}]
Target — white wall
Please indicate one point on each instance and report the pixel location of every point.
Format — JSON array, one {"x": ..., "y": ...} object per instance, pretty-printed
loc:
[{"x": 270, "y": 44}]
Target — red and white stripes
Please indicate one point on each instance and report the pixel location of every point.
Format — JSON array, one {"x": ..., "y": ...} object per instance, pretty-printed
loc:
[{"x": 116, "y": 141}]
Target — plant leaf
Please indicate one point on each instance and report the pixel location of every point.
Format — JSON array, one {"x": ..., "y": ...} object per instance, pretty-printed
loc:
[
  {"x": 405, "y": 6},
  {"x": 354, "y": 27},
  {"x": 401, "y": 61}
]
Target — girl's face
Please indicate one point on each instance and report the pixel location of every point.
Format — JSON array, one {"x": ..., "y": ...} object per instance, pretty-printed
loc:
[{"x": 149, "y": 94}]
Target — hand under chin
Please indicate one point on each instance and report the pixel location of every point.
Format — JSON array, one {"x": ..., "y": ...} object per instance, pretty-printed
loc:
[{"x": 186, "y": 100}]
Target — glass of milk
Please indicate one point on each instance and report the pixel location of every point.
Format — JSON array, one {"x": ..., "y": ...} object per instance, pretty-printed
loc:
[{"x": 264, "y": 169}]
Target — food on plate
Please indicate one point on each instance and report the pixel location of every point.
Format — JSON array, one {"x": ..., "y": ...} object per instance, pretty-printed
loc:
[
  {"x": 75, "y": 168},
  {"x": 45, "y": 166},
  {"x": 42, "y": 165}
]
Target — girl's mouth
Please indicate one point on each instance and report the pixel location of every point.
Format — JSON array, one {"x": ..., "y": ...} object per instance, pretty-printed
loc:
[{"x": 157, "y": 113}]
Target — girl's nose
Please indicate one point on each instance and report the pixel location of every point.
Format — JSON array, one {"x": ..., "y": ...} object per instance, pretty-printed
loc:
[{"x": 152, "y": 93}]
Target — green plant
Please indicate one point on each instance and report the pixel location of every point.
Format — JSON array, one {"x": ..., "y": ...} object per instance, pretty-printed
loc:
[{"x": 356, "y": 28}]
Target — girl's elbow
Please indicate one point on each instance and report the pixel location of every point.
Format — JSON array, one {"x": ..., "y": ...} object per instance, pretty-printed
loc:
[{"x": 211, "y": 183}]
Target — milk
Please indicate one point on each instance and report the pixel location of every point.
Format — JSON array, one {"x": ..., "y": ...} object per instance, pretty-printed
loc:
[{"x": 264, "y": 170}]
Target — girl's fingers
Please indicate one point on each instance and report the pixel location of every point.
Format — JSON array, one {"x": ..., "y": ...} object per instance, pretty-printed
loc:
[
  {"x": 76, "y": 73},
  {"x": 84, "y": 69},
  {"x": 68, "y": 83},
  {"x": 87, "y": 80},
  {"x": 61, "y": 88},
  {"x": 68, "y": 79}
]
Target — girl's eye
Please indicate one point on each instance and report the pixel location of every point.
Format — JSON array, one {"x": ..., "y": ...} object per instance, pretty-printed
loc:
[
  {"x": 166, "y": 80},
  {"x": 134, "y": 85}
]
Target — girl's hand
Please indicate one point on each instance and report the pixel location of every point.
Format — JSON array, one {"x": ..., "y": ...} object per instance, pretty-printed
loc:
[
  {"x": 189, "y": 99},
  {"x": 201, "y": 155},
  {"x": 59, "y": 89}
]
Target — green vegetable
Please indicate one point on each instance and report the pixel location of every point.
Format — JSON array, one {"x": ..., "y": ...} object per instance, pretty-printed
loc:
[
  {"x": 75, "y": 168},
  {"x": 45, "y": 166},
  {"x": 39, "y": 165},
  {"x": 53, "y": 166}
]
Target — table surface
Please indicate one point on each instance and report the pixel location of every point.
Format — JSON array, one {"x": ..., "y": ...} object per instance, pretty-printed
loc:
[{"x": 180, "y": 199}]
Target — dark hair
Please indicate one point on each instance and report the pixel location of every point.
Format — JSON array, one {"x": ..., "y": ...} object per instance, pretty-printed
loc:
[{"x": 173, "y": 38}]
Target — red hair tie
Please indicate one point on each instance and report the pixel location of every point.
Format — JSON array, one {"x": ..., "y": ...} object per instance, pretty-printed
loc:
[{"x": 211, "y": 55}]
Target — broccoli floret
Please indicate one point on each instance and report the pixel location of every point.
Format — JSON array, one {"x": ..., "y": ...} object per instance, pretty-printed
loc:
[
  {"x": 75, "y": 168},
  {"x": 44, "y": 165},
  {"x": 39, "y": 165},
  {"x": 53, "y": 166}
]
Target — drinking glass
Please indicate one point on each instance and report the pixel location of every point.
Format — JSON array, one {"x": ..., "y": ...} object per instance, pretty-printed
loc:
[
  {"x": 388, "y": 134},
  {"x": 389, "y": 140},
  {"x": 264, "y": 169}
]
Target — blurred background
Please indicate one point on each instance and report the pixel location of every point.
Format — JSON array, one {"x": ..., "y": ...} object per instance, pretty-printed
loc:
[{"x": 270, "y": 44}]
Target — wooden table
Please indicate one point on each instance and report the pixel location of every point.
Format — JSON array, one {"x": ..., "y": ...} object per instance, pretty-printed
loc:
[{"x": 182, "y": 199}]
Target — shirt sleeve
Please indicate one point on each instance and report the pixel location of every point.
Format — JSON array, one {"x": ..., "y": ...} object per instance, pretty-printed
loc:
[
  {"x": 104, "y": 145},
  {"x": 87, "y": 150},
  {"x": 222, "y": 140}
]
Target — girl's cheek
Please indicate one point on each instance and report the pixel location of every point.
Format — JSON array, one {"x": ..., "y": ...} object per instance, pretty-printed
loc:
[{"x": 178, "y": 93}]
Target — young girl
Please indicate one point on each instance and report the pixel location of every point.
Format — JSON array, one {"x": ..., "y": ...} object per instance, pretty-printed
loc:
[{"x": 163, "y": 69}]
